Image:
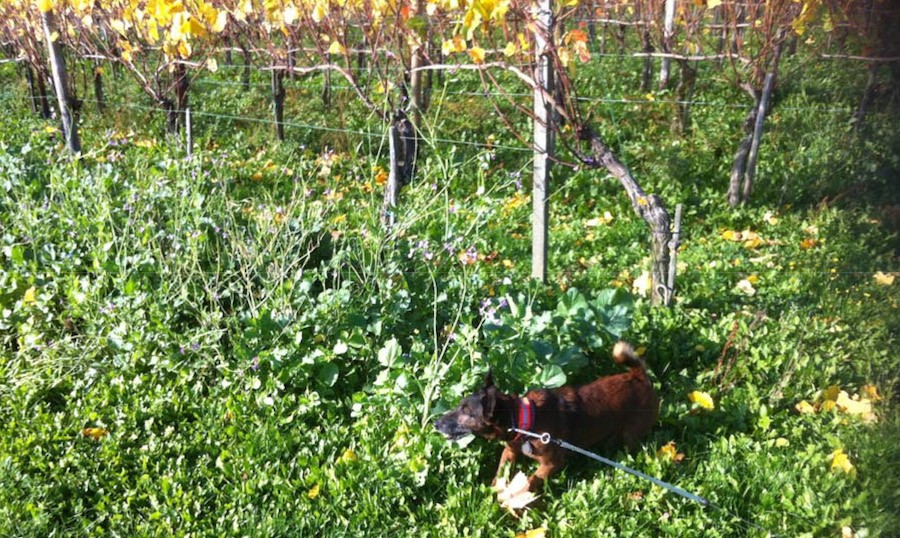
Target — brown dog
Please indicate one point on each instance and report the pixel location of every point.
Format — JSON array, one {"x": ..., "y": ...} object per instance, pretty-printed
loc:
[{"x": 618, "y": 409}]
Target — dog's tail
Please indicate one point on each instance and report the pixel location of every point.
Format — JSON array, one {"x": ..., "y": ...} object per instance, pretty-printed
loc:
[{"x": 624, "y": 355}]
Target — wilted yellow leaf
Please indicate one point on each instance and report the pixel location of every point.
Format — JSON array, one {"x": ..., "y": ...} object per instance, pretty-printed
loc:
[
  {"x": 45, "y": 5},
  {"x": 885, "y": 279},
  {"x": 319, "y": 12},
  {"x": 840, "y": 461},
  {"x": 477, "y": 54},
  {"x": 290, "y": 14},
  {"x": 510, "y": 49},
  {"x": 746, "y": 287},
  {"x": 870, "y": 392},
  {"x": 515, "y": 494},
  {"x": 808, "y": 243},
  {"x": 805, "y": 408},
  {"x": 221, "y": 21},
  {"x": 212, "y": 64},
  {"x": 670, "y": 453},
  {"x": 30, "y": 295},
  {"x": 831, "y": 393},
  {"x": 95, "y": 433},
  {"x": 642, "y": 284},
  {"x": 348, "y": 456},
  {"x": 313, "y": 492},
  {"x": 702, "y": 399},
  {"x": 539, "y": 532},
  {"x": 336, "y": 48}
]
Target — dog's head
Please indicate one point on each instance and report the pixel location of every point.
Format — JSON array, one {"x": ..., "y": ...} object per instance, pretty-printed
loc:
[{"x": 475, "y": 414}]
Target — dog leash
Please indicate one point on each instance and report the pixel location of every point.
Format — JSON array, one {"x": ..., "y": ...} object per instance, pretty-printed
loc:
[{"x": 546, "y": 439}]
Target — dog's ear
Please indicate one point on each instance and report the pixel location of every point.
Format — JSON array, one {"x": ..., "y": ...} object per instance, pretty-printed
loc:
[
  {"x": 489, "y": 402},
  {"x": 489, "y": 379}
]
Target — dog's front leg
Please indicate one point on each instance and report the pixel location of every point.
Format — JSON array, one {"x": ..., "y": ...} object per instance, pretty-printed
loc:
[
  {"x": 549, "y": 463},
  {"x": 508, "y": 456}
]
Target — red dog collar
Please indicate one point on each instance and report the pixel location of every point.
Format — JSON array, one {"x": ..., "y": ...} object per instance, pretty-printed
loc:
[{"x": 524, "y": 417}]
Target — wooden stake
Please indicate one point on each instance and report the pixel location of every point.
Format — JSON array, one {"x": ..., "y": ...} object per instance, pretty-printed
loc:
[
  {"x": 278, "y": 95},
  {"x": 543, "y": 142},
  {"x": 60, "y": 82},
  {"x": 189, "y": 132},
  {"x": 668, "y": 34},
  {"x": 392, "y": 187},
  {"x": 673, "y": 255}
]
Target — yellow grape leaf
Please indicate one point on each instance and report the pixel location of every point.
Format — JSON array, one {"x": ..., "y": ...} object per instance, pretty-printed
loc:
[
  {"x": 313, "y": 492},
  {"x": 152, "y": 32},
  {"x": 336, "y": 48},
  {"x": 781, "y": 442},
  {"x": 221, "y": 21},
  {"x": 290, "y": 14},
  {"x": 184, "y": 49},
  {"x": 508, "y": 264},
  {"x": 539, "y": 532},
  {"x": 95, "y": 433},
  {"x": 884, "y": 279},
  {"x": 212, "y": 64},
  {"x": 702, "y": 399},
  {"x": 30, "y": 295},
  {"x": 477, "y": 54},
  {"x": 570, "y": 3},
  {"x": 712, "y": 4},
  {"x": 805, "y": 408},
  {"x": 510, "y": 49},
  {"x": 808, "y": 243},
  {"x": 319, "y": 12},
  {"x": 45, "y": 5},
  {"x": 840, "y": 461}
]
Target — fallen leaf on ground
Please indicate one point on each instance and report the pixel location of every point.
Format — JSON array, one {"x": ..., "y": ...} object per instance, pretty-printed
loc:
[{"x": 515, "y": 494}]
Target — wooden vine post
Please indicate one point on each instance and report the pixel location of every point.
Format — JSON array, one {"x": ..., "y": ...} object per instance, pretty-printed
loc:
[
  {"x": 278, "y": 94},
  {"x": 673, "y": 256},
  {"x": 543, "y": 140},
  {"x": 392, "y": 187},
  {"x": 60, "y": 82},
  {"x": 188, "y": 133},
  {"x": 668, "y": 35}
]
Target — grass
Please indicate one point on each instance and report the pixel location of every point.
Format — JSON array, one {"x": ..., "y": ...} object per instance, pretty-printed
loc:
[{"x": 257, "y": 356}]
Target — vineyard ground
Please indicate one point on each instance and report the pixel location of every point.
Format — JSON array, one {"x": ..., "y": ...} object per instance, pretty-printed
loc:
[{"x": 234, "y": 345}]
